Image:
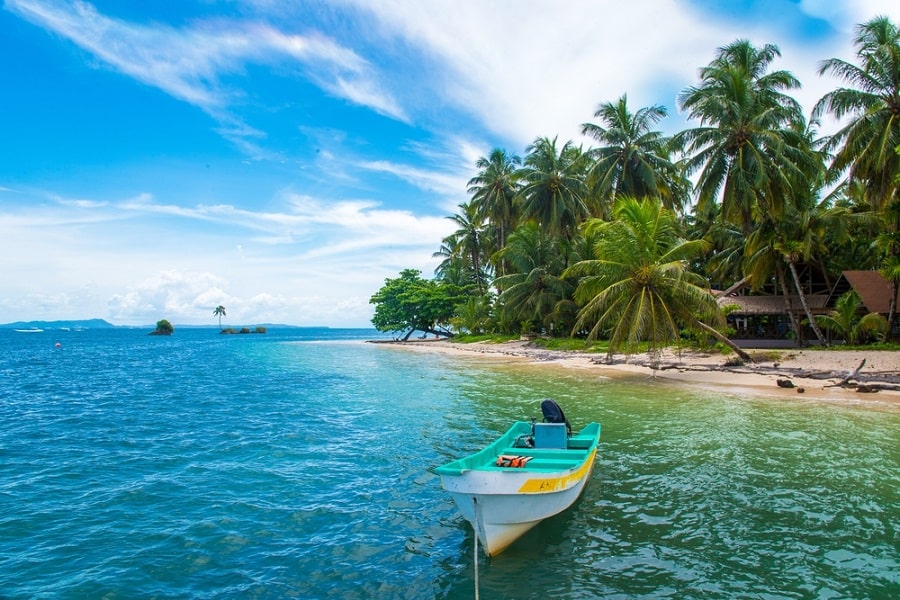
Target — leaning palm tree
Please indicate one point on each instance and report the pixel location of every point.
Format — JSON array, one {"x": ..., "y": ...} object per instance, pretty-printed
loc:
[
  {"x": 638, "y": 286},
  {"x": 866, "y": 146},
  {"x": 219, "y": 311},
  {"x": 633, "y": 159}
]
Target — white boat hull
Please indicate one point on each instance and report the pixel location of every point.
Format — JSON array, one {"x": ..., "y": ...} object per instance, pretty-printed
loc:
[
  {"x": 502, "y": 504},
  {"x": 501, "y": 514}
]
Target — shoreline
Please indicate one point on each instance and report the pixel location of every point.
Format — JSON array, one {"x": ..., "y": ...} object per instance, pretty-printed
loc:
[{"x": 811, "y": 374}]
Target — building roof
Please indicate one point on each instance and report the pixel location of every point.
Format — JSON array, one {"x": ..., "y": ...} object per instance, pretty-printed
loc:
[
  {"x": 873, "y": 289},
  {"x": 771, "y": 305}
]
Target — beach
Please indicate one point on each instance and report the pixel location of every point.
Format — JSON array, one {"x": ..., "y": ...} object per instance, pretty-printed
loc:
[{"x": 830, "y": 375}]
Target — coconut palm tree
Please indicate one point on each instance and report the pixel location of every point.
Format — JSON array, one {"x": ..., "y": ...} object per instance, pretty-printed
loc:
[
  {"x": 219, "y": 311},
  {"x": 638, "y": 285},
  {"x": 633, "y": 159},
  {"x": 534, "y": 293},
  {"x": 554, "y": 193},
  {"x": 747, "y": 149},
  {"x": 865, "y": 148},
  {"x": 494, "y": 191},
  {"x": 468, "y": 242}
]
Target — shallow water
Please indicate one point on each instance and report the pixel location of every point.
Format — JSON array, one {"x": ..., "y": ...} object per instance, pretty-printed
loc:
[{"x": 298, "y": 464}]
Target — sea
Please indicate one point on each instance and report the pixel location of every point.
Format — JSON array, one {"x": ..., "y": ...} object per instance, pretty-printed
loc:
[{"x": 299, "y": 464}]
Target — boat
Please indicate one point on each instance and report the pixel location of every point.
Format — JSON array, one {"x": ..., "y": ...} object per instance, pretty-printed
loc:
[
  {"x": 532, "y": 472},
  {"x": 30, "y": 330}
]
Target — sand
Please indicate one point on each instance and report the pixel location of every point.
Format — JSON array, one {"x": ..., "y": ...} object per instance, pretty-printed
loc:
[{"x": 786, "y": 373}]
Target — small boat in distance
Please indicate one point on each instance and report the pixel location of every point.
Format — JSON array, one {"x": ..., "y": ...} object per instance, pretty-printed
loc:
[
  {"x": 532, "y": 472},
  {"x": 30, "y": 330}
]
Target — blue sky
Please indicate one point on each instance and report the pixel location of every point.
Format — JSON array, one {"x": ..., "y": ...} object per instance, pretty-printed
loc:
[{"x": 283, "y": 158}]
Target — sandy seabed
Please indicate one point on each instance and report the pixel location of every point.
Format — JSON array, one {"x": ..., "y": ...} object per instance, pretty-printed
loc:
[{"x": 786, "y": 373}]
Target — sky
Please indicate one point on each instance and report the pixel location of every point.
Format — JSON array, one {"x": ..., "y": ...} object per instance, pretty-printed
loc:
[{"x": 283, "y": 158}]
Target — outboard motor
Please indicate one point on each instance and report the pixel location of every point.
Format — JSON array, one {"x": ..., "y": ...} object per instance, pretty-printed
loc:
[{"x": 553, "y": 413}]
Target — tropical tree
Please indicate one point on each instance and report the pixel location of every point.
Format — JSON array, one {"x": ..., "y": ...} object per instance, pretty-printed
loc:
[
  {"x": 795, "y": 237},
  {"x": 534, "y": 293},
  {"x": 633, "y": 159},
  {"x": 409, "y": 303},
  {"x": 847, "y": 322},
  {"x": 638, "y": 285},
  {"x": 554, "y": 192},
  {"x": 472, "y": 316},
  {"x": 494, "y": 190},
  {"x": 866, "y": 146},
  {"x": 219, "y": 311},
  {"x": 468, "y": 243},
  {"x": 748, "y": 149}
]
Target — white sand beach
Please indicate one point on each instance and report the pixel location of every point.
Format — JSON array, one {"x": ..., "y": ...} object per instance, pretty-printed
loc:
[{"x": 818, "y": 374}]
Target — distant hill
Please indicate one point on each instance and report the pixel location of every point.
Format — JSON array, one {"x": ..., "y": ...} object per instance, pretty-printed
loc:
[{"x": 82, "y": 324}]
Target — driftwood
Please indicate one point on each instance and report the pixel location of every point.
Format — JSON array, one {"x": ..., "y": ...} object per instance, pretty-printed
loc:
[{"x": 851, "y": 375}]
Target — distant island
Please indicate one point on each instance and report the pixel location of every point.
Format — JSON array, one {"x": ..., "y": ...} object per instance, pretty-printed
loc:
[{"x": 77, "y": 324}]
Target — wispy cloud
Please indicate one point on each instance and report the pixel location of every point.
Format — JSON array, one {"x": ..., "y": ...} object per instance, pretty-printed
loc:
[{"x": 190, "y": 63}]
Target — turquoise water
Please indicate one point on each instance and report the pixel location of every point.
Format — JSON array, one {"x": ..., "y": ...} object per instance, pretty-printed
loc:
[{"x": 296, "y": 464}]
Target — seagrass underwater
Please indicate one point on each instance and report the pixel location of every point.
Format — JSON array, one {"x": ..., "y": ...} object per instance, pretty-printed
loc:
[{"x": 300, "y": 463}]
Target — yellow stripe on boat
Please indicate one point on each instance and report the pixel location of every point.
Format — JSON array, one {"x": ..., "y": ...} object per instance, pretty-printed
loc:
[{"x": 552, "y": 484}]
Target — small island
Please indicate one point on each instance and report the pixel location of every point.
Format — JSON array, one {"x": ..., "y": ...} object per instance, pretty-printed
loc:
[
  {"x": 230, "y": 330},
  {"x": 163, "y": 327}
]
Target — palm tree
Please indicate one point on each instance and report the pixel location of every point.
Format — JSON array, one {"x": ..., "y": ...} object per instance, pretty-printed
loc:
[
  {"x": 467, "y": 242},
  {"x": 534, "y": 293},
  {"x": 494, "y": 191},
  {"x": 747, "y": 149},
  {"x": 633, "y": 159},
  {"x": 554, "y": 192},
  {"x": 846, "y": 321},
  {"x": 472, "y": 315},
  {"x": 639, "y": 286},
  {"x": 219, "y": 311},
  {"x": 866, "y": 145}
]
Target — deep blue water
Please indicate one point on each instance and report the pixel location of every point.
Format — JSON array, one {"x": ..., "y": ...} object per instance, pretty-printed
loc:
[{"x": 297, "y": 464}]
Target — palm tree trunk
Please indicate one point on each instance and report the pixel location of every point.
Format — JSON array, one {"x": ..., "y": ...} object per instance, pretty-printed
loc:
[
  {"x": 805, "y": 304},
  {"x": 725, "y": 340},
  {"x": 789, "y": 306},
  {"x": 892, "y": 311}
]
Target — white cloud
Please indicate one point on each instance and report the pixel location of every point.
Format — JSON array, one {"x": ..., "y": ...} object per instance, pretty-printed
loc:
[
  {"x": 315, "y": 262},
  {"x": 530, "y": 69}
]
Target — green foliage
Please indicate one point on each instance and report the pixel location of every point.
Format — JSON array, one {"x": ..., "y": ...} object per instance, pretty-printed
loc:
[
  {"x": 847, "y": 322},
  {"x": 472, "y": 316},
  {"x": 409, "y": 303},
  {"x": 466, "y": 338},
  {"x": 638, "y": 286},
  {"x": 570, "y": 344}
]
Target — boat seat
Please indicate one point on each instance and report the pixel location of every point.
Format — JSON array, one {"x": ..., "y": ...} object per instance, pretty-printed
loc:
[
  {"x": 550, "y": 435},
  {"x": 581, "y": 442},
  {"x": 551, "y": 465},
  {"x": 554, "y": 453}
]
